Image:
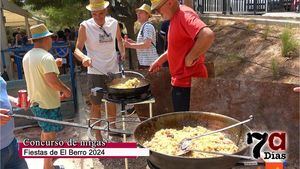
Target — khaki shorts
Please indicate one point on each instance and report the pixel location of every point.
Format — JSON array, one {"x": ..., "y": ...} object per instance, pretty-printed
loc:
[{"x": 96, "y": 81}]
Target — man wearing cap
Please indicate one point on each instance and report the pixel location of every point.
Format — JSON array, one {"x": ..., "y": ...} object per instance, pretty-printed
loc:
[
  {"x": 145, "y": 44},
  {"x": 43, "y": 85},
  {"x": 98, "y": 35},
  {"x": 188, "y": 40}
]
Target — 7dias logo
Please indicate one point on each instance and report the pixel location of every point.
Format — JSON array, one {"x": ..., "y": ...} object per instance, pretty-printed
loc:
[{"x": 276, "y": 142}]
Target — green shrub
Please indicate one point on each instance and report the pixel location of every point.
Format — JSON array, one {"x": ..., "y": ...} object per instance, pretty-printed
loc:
[
  {"x": 289, "y": 44},
  {"x": 275, "y": 69}
]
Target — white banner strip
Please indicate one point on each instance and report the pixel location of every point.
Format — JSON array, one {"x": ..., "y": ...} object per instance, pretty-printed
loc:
[{"x": 84, "y": 152}]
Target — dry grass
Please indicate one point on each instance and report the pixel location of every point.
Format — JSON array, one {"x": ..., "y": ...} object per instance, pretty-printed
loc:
[
  {"x": 275, "y": 69},
  {"x": 289, "y": 44},
  {"x": 242, "y": 54}
]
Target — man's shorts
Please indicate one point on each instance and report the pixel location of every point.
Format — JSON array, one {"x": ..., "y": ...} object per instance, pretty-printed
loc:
[
  {"x": 53, "y": 114},
  {"x": 96, "y": 81}
]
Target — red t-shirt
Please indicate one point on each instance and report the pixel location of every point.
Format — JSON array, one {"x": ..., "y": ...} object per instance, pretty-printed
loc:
[{"x": 184, "y": 27}]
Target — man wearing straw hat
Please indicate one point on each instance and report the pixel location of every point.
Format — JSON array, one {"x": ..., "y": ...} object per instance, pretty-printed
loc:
[
  {"x": 188, "y": 40},
  {"x": 44, "y": 88},
  {"x": 98, "y": 35},
  {"x": 145, "y": 44}
]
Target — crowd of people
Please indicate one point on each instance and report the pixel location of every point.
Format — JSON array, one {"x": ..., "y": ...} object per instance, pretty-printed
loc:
[
  {"x": 20, "y": 38},
  {"x": 66, "y": 35}
]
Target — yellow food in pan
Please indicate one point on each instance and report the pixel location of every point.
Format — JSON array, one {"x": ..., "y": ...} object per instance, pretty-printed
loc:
[
  {"x": 131, "y": 83},
  {"x": 166, "y": 141}
]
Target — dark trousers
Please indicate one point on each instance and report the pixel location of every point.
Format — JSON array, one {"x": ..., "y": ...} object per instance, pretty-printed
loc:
[
  {"x": 181, "y": 98},
  {"x": 10, "y": 159}
]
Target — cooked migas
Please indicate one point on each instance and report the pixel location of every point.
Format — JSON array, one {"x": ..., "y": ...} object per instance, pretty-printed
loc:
[{"x": 166, "y": 141}]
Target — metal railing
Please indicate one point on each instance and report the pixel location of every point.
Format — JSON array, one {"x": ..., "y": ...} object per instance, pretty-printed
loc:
[{"x": 243, "y": 6}]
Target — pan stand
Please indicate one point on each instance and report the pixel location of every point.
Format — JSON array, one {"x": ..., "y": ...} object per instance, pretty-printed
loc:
[
  {"x": 123, "y": 112},
  {"x": 149, "y": 101}
]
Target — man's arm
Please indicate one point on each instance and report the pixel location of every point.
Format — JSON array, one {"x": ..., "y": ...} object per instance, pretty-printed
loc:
[
  {"x": 120, "y": 43},
  {"x": 53, "y": 81},
  {"x": 59, "y": 62},
  {"x": 86, "y": 61},
  {"x": 4, "y": 118},
  {"x": 204, "y": 40},
  {"x": 143, "y": 45},
  {"x": 156, "y": 65},
  {"x": 13, "y": 101}
]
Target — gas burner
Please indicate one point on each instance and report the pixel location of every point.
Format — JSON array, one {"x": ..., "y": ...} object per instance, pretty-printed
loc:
[
  {"x": 151, "y": 165},
  {"x": 127, "y": 99}
]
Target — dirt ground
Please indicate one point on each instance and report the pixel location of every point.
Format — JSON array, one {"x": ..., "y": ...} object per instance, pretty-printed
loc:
[{"x": 253, "y": 51}]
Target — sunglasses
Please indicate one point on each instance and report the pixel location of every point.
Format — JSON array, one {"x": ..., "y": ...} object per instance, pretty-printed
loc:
[{"x": 106, "y": 34}]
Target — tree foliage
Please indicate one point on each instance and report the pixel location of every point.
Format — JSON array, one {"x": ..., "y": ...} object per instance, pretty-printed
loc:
[
  {"x": 40, "y": 4},
  {"x": 66, "y": 13},
  {"x": 124, "y": 11},
  {"x": 17, "y": 2},
  {"x": 69, "y": 13},
  {"x": 69, "y": 16}
]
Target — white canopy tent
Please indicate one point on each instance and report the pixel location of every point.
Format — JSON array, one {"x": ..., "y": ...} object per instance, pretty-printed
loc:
[
  {"x": 13, "y": 19},
  {"x": 13, "y": 15}
]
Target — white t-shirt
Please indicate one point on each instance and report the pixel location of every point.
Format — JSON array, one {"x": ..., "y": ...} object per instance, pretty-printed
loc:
[
  {"x": 147, "y": 56},
  {"x": 100, "y": 45}
]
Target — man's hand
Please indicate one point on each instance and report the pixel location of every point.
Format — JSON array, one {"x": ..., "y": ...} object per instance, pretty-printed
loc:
[
  {"x": 4, "y": 118},
  {"x": 189, "y": 61},
  {"x": 297, "y": 89},
  {"x": 14, "y": 101},
  {"x": 86, "y": 62},
  {"x": 123, "y": 57},
  {"x": 130, "y": 40},
  {"x": 127, "y": 44},
  {"x": 155, "y": 67},
  {"x": 59, "y": 62},
  {"x": 203, "y": 42},
  {"x": 65, "y": 94}
]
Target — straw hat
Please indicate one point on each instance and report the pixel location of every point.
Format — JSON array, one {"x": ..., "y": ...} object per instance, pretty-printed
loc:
[
  {"x": 145, "y": 8},
  {"x": 39, "y": 31},
  {"x": 156, "y": 3},
  {"x": 96, "y": 5}
]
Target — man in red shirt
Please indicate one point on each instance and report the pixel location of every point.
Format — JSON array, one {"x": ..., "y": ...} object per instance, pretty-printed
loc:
[{"x": 189, "y": 38}]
